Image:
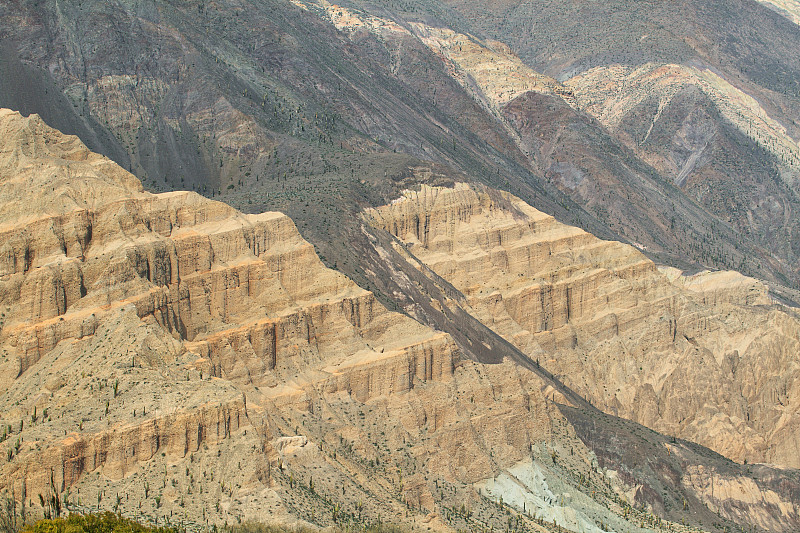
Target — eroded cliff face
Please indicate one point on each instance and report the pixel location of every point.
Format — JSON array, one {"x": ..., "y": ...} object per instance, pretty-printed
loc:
[
  {"x": 727, "y": 146},
  {"x": 136, "y": 325},
  {"x": 199, "y": 269},
  {"x": 611, "y": 93},
  {"x": 166, "y": 356},
  {"x": 706, "y": 358}
]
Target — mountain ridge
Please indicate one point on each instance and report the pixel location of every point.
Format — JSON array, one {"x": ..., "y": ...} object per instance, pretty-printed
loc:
[
  {"x": 156, "y": 382},
  {"x": 430, "y": 263},
  {"x": 209, "y": 114}
]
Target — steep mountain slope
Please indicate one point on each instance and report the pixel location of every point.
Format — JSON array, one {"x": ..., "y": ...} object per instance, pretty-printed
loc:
[
  {"x": 580, "y": 158},
  {"x": 704, "y": 358},
  {"x": 173, "y": 359},
  {"x": 273, "y": 110},
  {"x": 693, "y": 88},
  {"x": 228, "y": 99},
  {"x": 144, "y": 302},
  {"x": 730, "y": 35},
  {"x": 280, "y": 105},
  {"x": 788, "y": 8},
  {"x": 716, "y": 142}
]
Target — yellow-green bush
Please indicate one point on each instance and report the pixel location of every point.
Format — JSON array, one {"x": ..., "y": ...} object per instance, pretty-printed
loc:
[{"x": 92, "y": 523}]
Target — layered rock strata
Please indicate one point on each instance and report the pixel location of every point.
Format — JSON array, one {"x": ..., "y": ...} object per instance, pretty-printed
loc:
[
  {"x": 612, "y": 93},
  {"x": 706, "y": 358},
  {"x": 231, "y": 298},
  {"x": 169, "y": 358}
]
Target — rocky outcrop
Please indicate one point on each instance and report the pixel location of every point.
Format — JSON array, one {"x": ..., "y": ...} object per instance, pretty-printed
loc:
[
  {"x": 490, "y": 67},
  {"x": 788, "y": 8},
  {"x": 487, "y": 70},
  {"x": 635, "y": 342},
  {"x": 194, "y": 265},
  {"x": 729, "y": 150},
  {"x": 730, "y": 496},
  {"x": 120, "y": 450},
  {"x": 612, "y": 93},
  {"x": 117, "y": 286},
  {"x": 165, "y": 356}
]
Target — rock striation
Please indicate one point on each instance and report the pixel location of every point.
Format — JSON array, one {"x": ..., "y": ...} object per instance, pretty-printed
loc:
[
  {"x": 730, "y": 150},
  {"x": 706, "y": 357},
  {"x": 169, "y": 358},
  {"x": 237, "y": 299},
  {"x": 612, "y": 93}
]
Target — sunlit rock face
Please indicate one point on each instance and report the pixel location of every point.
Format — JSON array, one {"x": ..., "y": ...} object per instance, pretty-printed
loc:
[{"x": 706, "y": 357}]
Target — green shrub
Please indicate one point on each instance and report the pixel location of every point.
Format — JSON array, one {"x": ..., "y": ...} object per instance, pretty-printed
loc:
[{"x": 92, "y": 523}]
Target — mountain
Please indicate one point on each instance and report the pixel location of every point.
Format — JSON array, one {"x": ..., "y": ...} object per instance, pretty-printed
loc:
[
  {"x": 275, "y": 105},
  {"x": 788, "y": 8},
  {"x": 650, "y": 345},
  {"x": 445, "y": 265},
  {"x": 152, "y": 342},
  {"x": 695, "y": 89}
]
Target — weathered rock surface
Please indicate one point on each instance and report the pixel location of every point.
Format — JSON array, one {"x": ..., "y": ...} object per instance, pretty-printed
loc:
[
  {"x": 727, "y": 149},
  {"x": 693, "y": 90},
  {"x": 138, "y": 293},
  {"x": 200, "y": 269},
  {"x": 256, "y": 114},
  {"x": 788, "y": 8},
  {"x": 166, "y": 356},
  {"x": 704, "y": 358},
  {"x": 612, "y": 93}
]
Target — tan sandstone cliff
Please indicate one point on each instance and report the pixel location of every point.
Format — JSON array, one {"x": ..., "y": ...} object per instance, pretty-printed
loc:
[
  {"x": 170, "y": 358},
  {"x": 131, "y": 321},
  {"x": 706, "y": 358}
]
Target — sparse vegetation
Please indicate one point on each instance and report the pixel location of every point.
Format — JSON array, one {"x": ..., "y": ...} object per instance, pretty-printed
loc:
[
  {"x": 252, "y": 527},
  {"x": 234, "y": 103},
  {"x": 93, "y": 523}
]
